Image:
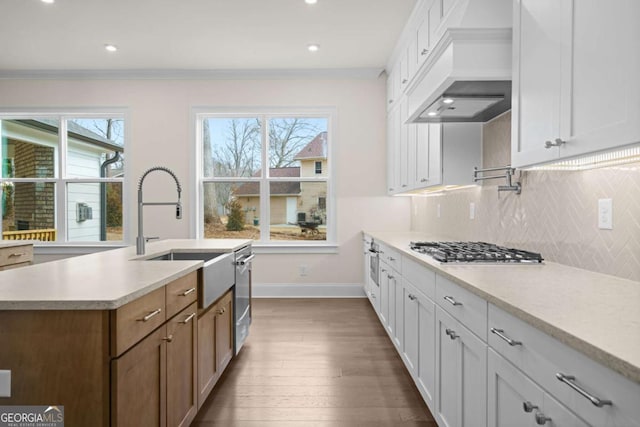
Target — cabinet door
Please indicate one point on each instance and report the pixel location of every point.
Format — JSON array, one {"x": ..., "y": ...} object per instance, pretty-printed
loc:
[
  {"x": 393, "y": 151},
  {"x": 426, "y": 369},
  {"x": 601, "y": 103},
  {"x": 423, "y": 35},
  {"x": 224, "y": 331},
  {"x": 405, "y": 159},
  {"x": 207, "y": 365},
  {"x": 428, "y": 155},
  {"x": 182, "y": 395},
  {"x": 398, "y": 336},
  {"x": 559, "y": 415},
  {"x": 410, "y": 327},
  {"x": 461, "y": 374},
  {"x": 138, "y": 383},
  {"x": 537, "y": 79},
  {"x": 383, "y": 305},
  {"x": 509, "y": 392},
  {"x": 391, "y": 89},
  {"x": 393, "y": 281}
]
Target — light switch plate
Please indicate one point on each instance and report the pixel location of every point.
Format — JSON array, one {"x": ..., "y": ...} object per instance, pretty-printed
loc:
[
  {"x": 5, "y": 383},
  {"x": 605, "y": 214}
]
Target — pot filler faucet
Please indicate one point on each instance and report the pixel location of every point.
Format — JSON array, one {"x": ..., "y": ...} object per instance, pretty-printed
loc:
[{"x": 140, "y": 240}]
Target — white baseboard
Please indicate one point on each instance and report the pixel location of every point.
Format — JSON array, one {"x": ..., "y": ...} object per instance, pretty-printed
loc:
[{"x": 307, "y": 290}]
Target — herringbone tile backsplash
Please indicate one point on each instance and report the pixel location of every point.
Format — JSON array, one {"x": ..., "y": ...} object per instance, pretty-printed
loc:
[{"x": 556, "y": 214}]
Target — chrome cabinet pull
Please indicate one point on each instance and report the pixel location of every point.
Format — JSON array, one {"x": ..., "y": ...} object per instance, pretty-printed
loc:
[
  {"x": 452, "y": 300},
  {"x": 17, "y": 254},
  {"x": 424, "y": 180},
  {"x": 451, "y": 333},
  {"x": 188, "y": 291},
  {"x": 528, "y": 406},
  {"x": 500, "y": 333},
  {"x": 412, "y": 297},
  {"x": 424, "y": 51},
  {"x": 189, "y": 317},
  {"x": 168, "y": 339},
  {"x": 391, "y": 258},
  {"x": 390, "y": 101},
  {"x": 390, "y": 277},
  {"x": 541, "y": 419},
  {"x": 568, "y": 380},
  {"x": 556, "y": 143},
  {"x": 222, "y": 310},
  {"x": 150, "y": 315},
  {"x": 404, "y": 81}
]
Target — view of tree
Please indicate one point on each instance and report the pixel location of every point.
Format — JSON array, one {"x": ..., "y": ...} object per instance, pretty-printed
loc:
[{"x": 287, "y": 136}]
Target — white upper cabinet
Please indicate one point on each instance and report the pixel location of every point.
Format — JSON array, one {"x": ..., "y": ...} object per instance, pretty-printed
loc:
[{"x": 575, "y": 85}]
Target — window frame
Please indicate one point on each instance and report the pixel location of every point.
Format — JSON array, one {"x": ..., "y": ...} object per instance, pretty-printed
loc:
[
  {"x": 265, "y": 113},
  {"x": 318, "y": 167},
  {"x": 60, "y": 179}
]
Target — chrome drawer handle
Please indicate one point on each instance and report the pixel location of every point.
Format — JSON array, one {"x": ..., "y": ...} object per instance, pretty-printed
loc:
[
  {"x": 390, "y": 277},
  {"x": 168, "y": 339},
  {"x": 556, "y": 143},
  {"x": 568, "y": 380},
  {"x": 451, "y": 300},
  {"x": 189, "y": 317},
  {"x": 451, "y": 333},
  {"x": 150, "y": 315},
  {"x": 412, "y": 297},
  {"x": 528, "y": 406},
  {"x": 541, "y": 419},
  {"x": 424, "y": 180},
  {"x": 391, "y": 258},
  {"x": 188, "y": 291},
  {"x": 424, "y": 52},
  {"x": 500, "y": 333},
  {"x": 17, "y": 254}
]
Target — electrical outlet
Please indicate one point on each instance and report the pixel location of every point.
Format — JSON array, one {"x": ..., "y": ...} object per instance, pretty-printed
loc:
[
  {"x": 605, "y": 214},
  {"x": 304, "y": 270},
  {"x": 472, "y": 210},
  {"x": 439, "y": 211},
  {"x": 5, "y": 383}
]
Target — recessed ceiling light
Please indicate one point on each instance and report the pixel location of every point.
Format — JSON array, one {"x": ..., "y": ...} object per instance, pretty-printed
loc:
[
  {"x": 47, "y": 1},
  {"x": 111, "y": 47},
  {"x": 311, "y": 1},
  {"x": 432, "y": 113},
  {"x": 313, "y": 47},
  {"x": 447, "y": 101}
]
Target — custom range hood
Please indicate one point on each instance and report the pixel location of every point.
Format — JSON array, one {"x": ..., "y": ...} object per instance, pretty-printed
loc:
[{"x": 467, "y": 76}]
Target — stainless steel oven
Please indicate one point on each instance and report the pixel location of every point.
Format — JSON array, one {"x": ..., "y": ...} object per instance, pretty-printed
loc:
[
  {"x": 374, "y": 264},
  {"x": 242, "y": 308}
]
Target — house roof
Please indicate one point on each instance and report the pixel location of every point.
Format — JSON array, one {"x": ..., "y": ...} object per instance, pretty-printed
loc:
[
  {"x": 316, "y": 149},
  {"x": 284, "y": 188},
  {"x": 75, "y": 130}
]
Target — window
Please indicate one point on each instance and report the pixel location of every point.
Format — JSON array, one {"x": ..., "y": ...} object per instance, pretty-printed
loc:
[
  {"x": 62, "y": 177},
  {"x": 258, "y": 177}
]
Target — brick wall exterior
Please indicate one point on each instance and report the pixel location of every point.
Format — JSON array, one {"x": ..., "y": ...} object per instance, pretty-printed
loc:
[{"x": 34, "y": 203}]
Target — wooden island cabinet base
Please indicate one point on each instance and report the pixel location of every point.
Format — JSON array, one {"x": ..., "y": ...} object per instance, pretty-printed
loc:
[{"x": 123, "y": 367}]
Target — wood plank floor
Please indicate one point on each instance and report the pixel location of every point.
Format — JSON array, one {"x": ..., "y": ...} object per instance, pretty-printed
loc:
[{"x": 315, "y": 362}]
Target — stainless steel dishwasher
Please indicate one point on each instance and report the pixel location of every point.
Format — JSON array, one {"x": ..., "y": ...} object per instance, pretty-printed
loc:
[{"x": 242, "y": 300}]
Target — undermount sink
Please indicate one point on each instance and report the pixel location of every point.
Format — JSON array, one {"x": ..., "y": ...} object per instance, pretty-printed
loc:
[{"x": 218, "y": 272}]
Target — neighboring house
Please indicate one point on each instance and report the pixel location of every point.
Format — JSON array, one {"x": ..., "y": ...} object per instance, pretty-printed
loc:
[
  {"x": 30, "y": 150},
  {"x": 291, "y": 202}
]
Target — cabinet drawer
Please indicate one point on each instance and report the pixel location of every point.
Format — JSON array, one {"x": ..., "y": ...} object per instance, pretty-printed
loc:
[
  {"x": 181, "y": 292},
  {"x": 19, "y": 254},
  {"x": 468, "y": 308},
  {"x": 391, "y": 257},
  {"x": 135, "y": 320},
  {"x": 542, "y": 358},
  {"x": 419, "y": 276}
]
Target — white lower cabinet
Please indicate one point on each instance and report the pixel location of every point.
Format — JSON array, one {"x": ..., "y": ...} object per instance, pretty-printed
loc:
[
  {"x": 515, "y": 400},
  {"x": 461, "y": 374},
  {"x": 419, "y": 316}
]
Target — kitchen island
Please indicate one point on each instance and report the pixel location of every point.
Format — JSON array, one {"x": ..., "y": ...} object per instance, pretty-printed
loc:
[
  {"x": 511, "y": 327},
  {"x": 114, "y": 337}
]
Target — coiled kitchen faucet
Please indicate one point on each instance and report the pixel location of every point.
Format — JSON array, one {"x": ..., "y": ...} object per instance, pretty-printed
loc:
[{"x": 140, "y": 240}]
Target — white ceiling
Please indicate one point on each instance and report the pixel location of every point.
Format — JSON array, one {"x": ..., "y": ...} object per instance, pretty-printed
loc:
[{"x": 201, "y": 35}]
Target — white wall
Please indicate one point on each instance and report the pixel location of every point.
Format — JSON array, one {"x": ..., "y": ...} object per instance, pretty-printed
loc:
[{"x": 161, "y": 134}]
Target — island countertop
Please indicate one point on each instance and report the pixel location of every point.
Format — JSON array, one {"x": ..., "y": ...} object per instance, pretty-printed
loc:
[
  {"x": 104, "y": 280},
  {"x": 594, "y": 313}
]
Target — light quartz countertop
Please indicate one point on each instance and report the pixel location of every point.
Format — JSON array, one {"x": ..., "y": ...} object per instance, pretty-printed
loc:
[
  {"x": 596, "y": 314},
  {"x": 104, "y": 280}
]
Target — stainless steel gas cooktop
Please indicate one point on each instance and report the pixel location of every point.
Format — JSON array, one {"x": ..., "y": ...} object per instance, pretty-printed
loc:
[{"x": 475, "y": 252}]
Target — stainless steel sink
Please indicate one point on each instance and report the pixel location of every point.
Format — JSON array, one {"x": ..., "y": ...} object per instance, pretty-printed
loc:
[{"x": 218, "y": 272}]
